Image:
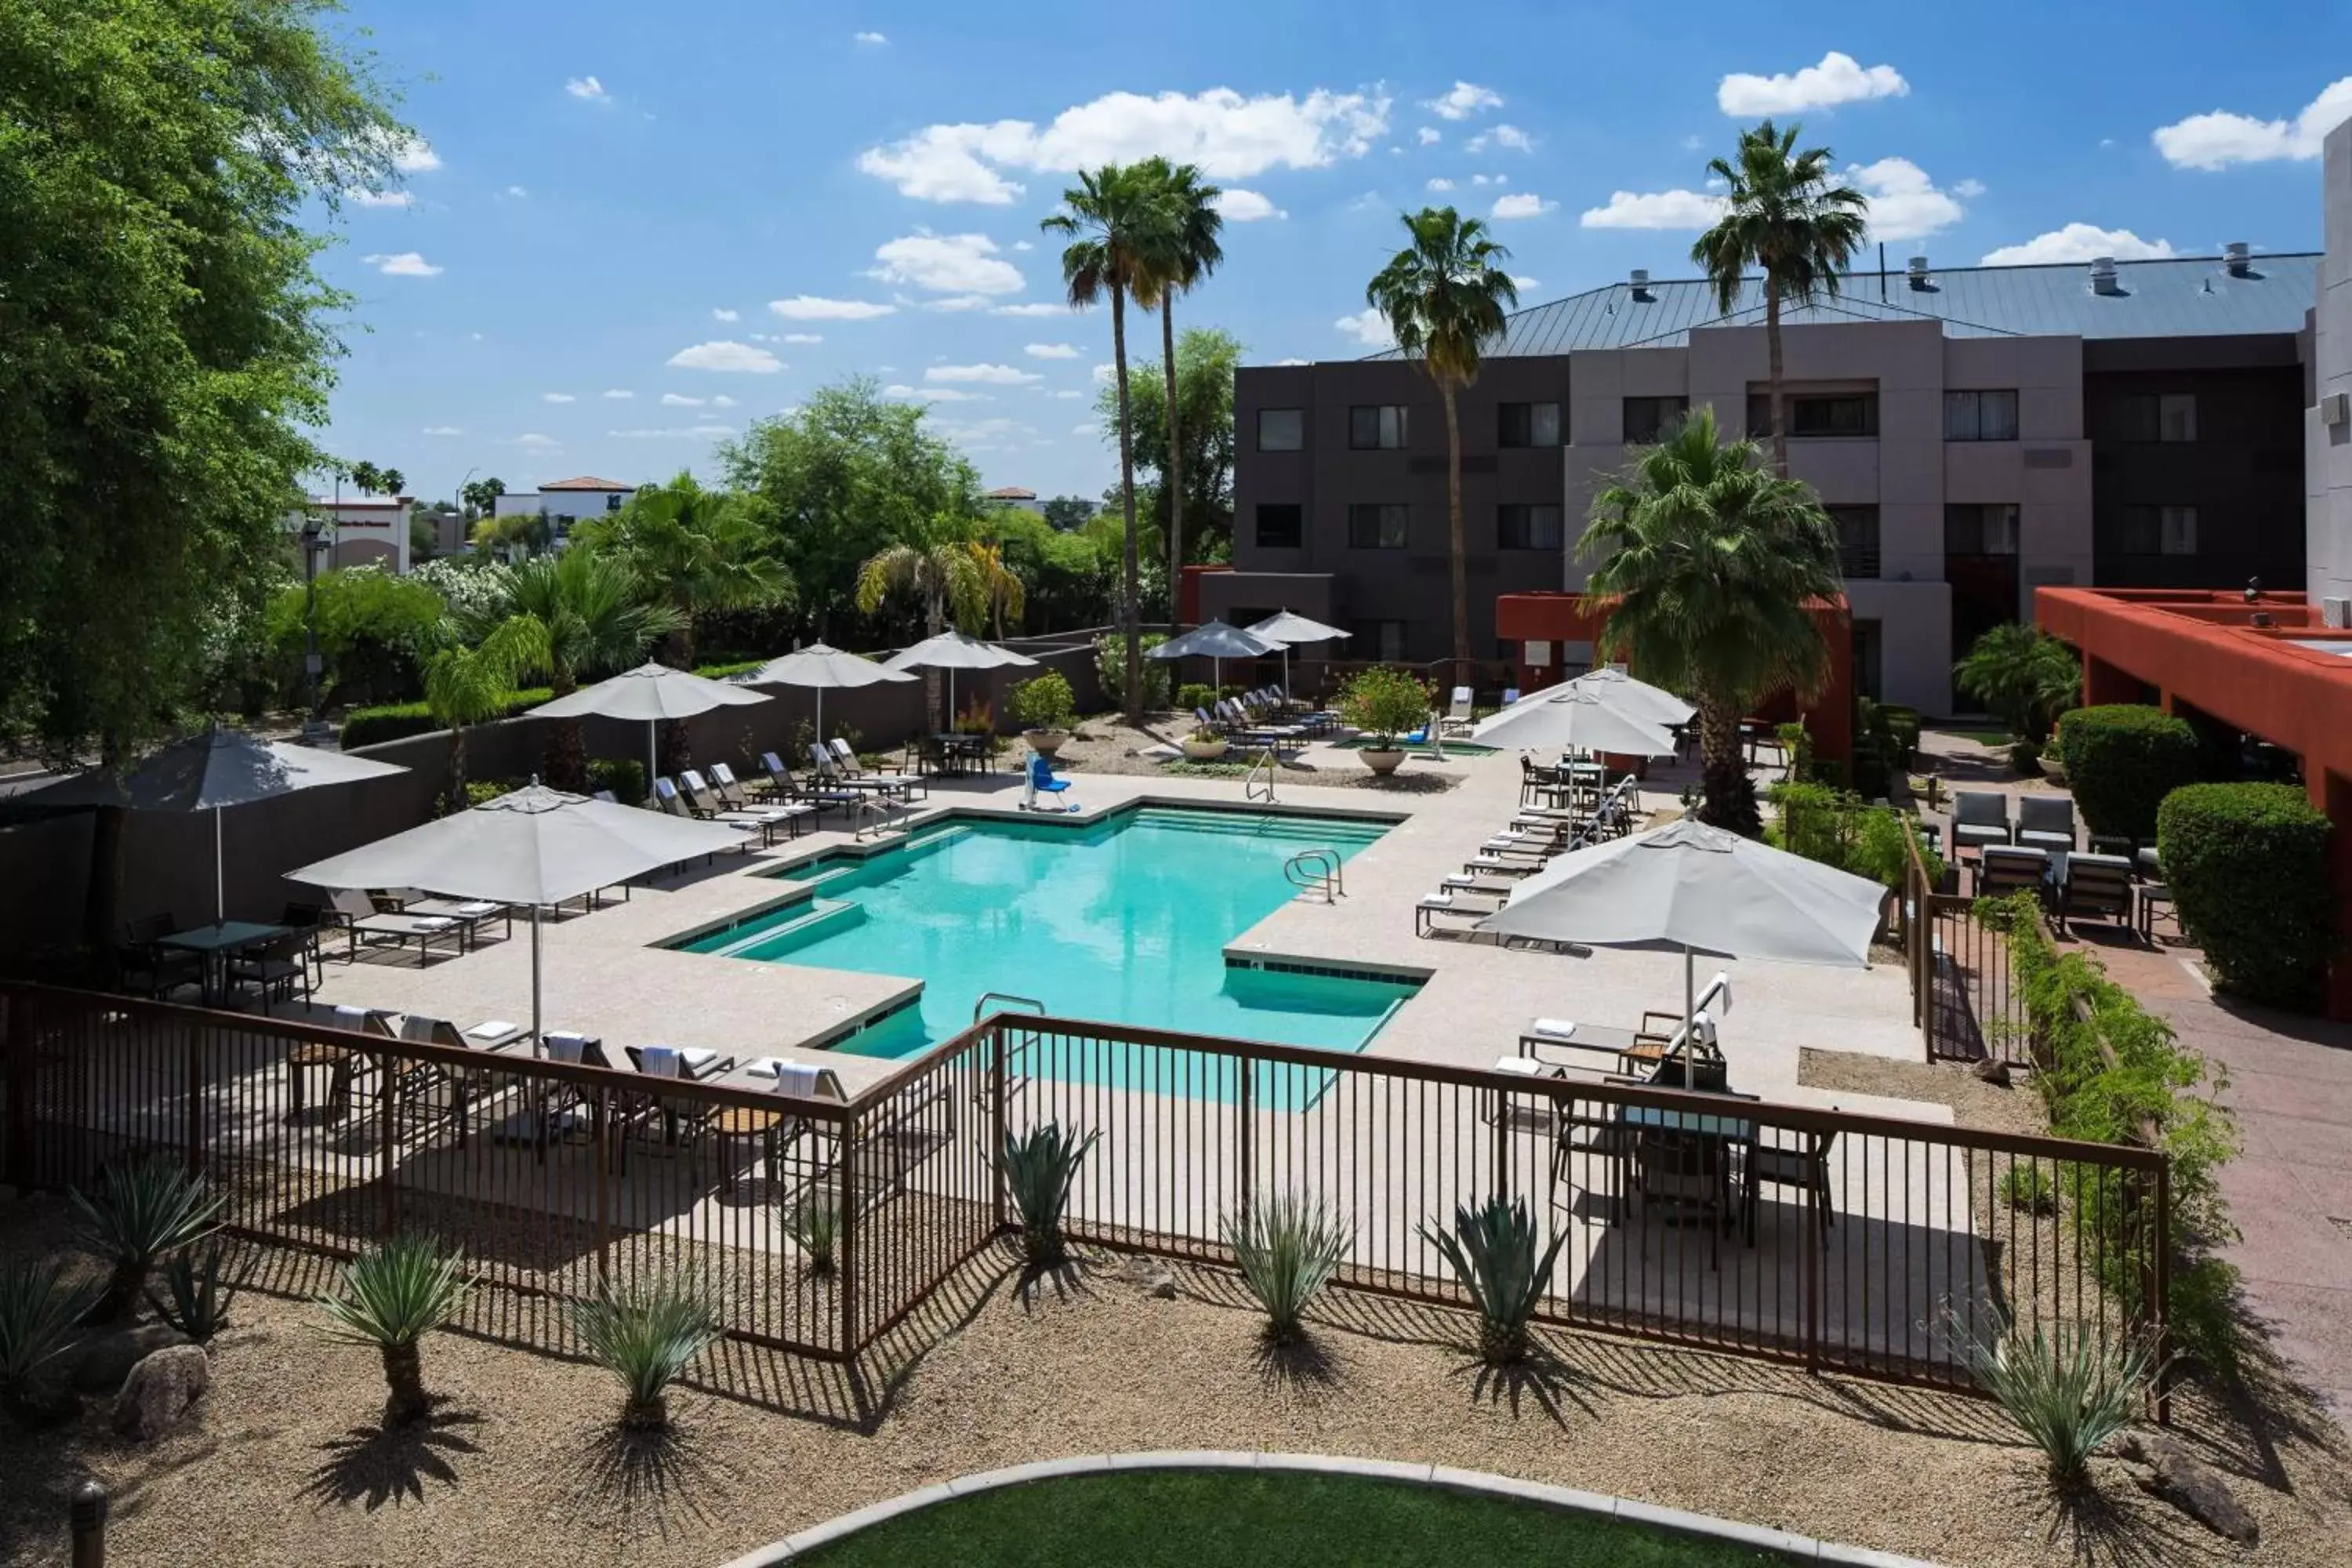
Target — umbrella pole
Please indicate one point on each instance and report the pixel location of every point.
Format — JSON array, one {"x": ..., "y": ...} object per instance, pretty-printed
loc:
[
  {"x": 1690, "y": 1010},
  {"x": 820, "y": 717},
  {"x": 220, "y": 880},
  {"x": 653, "y": 757},
  {"x": 534, "y": 980}
]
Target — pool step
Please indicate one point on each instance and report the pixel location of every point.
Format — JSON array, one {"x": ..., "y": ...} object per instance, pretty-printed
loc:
[{"x": 823, "y": 918}]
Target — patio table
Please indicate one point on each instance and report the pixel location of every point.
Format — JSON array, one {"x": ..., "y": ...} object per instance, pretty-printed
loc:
[{"x": 217, "y": 943}]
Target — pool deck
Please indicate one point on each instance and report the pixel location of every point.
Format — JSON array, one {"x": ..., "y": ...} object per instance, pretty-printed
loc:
[{"x": 605, "y": 973}]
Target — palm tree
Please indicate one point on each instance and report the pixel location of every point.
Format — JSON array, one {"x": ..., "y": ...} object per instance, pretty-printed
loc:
[
  {"x": 1187, "y": 251},
  {"x": 1444, "y": 295},
  {"x": 1000, "y": 589},
  {"x": 1115, "y": 219},
  {"x": 598, "y": 622},
  {"x": 943, "y": 577},
  {"x": 698, "y": 550},
  {"x": 1710, "y": 561},
  {"x": 474, "y": 685},
  {"x": 1781, "y": 214}
]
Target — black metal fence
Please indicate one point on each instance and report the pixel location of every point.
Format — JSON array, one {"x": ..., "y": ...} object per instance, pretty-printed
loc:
[{"x": 1964, "y": 994}]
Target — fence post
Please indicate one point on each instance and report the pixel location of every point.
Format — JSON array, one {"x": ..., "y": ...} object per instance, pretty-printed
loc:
[
  {"x": 996, "y": 1124},
  {"x": 850, "y": 1260},
  {"x": 604, "y": 1155},
  {"x": 1248, "y": 1101},
  {"x": 87, "y": 1516},
  {"x": 1816, "y": 1263},
  {"x": 388, "y": 1119},
  {"x": 195, "y": 1068},
  {"x": 17, "y": 1040},
  {"x": 2161, "y": 1298}
]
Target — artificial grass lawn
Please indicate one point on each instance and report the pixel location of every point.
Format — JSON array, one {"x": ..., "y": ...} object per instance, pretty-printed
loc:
[{"x": 1225, "y": 1519}]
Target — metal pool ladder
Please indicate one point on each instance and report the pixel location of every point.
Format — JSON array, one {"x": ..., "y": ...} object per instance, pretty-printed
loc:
[
  {"x": 1318, "y": 871},
  {"x": 1250, "y": 786},
  {"x": 1016, "y": 1050}
]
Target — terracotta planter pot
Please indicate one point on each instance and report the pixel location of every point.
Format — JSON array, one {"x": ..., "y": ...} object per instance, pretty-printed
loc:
[
  {"x": 1205, "y": 751},
  {"x": 1045, "y": 742},
  {"x": 1382, "y": 763}
]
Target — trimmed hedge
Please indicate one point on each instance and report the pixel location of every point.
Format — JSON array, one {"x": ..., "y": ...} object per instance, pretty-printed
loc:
[
  {"x": 2248, "y": 868},
  {"x": 2122, "y": 759},
  {"x": 398, "y": 720}
]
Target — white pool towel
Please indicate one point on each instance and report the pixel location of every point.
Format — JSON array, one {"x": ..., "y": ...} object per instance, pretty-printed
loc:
[
  {"x": 1553, "y": 1028},
  {"x": 657, "y": 1061},
  {"x": 797, "y": 1078},
  {"x": 564, "y": 1046},
  {"x": 476, "y": 908},
  {"x": 492, "y": 1028}
]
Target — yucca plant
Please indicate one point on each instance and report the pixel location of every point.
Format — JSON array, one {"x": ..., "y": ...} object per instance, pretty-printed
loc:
[
  {"x": 645, "y": 1336},
  {"x": 2069, "y": 1390},
  {"x": 391, "y": 1297},
  {"x": 1288, "y": 1249},
  {"x": 1493, "y": 1250},
  {"x": 816, "y": 1227},
  {"x": 1038, "y": 1167},
  {"x": 139, "y": 1211},
  {"x": 197, "y": 1291},
  {"x": 39, "y": 1311}
]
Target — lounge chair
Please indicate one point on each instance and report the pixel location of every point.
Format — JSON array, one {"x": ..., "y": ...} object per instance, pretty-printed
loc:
[
  {"x": 1456, "y": 720},
  {"x": 2098, "y": 886},
  {"x": 2045, "y": 821},
  {"x": 494, "y": 1035},
  {"x": 829, "y": 772},
  {"x": 846, "y": 764},
  {"x": 471, "y": 913},
  {"x": 732, "y": 795},
  {"x": 814, "y": 792},
  {"x": 1979, "y": 817},
  {"x": 356, "y": 914},
  {"x": 696, "y": 802},
  {"x": 2005, "y": 869},
  {"x": 1451, "y": 905}
]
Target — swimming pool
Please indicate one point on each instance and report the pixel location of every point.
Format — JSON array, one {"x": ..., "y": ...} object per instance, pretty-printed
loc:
[{"x": 1125, "y": 920}]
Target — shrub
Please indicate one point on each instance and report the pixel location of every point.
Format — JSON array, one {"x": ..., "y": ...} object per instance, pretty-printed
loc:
[
  {"x": 2121, "y": 760},
  {"x": 1491, "y": 1251},
  {"x": 624, "y": 776},
  {"x": 140, "y": 1210},
  {"x": 1038, "y": 1167},
  {"x": 1903, "y": 725},
  {"x": 1797, "y": 746},
  {"x": 397, "y": 722},
  {"x": 199, "y": 1293},
  {"x": 39, "y": 1311},
  {"x": 1288, "y": 1249},
  {"x": 1384, "y": 704},
  {"x": 2028, "y": 1191},
  {"x": 816, "y": 1227},
  {"x": 1195, "y": 694},
  {"x": 1110, "y": 667},
  {"x": 391, "y": 1297},
  {"x": 645, "y": 1337},
  {"x": 478, "y": 791},
  {"x": 1837, "y": 829},
  {"x": 2025, "y": 759},
  {"x": 2025, "y": 676},
  {"x": 2069, "y": 1390},
  {"x": 2248, "y": 868},
  {"x": 1044, "y": 702}
]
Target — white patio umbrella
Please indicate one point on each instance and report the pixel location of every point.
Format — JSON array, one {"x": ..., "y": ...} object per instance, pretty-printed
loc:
[
  {"x": 1702, "y": 889},
  {"x": 1580, "y": 721},
  {"x": 208, "y": 772},
  {"x": 653, "y": 692},
  {"x": 1216, "y": 642},
  {"x": 819, "y": 668},
  {"x": 1292, "y": 630},
  {"x": 952, "y": 651},
  {"x": 1650, "y": 704},
  {"x": 536, "y": 846}
]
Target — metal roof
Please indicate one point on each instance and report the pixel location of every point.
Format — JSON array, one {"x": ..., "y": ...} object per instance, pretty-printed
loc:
[{"x": 2182, "y": 296}]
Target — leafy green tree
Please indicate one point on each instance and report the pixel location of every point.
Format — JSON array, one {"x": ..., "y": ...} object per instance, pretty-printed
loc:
[
  {"x": 1183, "y": 252},
  {"x": 481, "y": 496},
  {"x": 1066, "y": 578},
  {"x": 1205, "y": 361},
  {"x": 941, "y": 577},
  {"x": 167, "y": 339},
  {"x": 374, "y": 630},
  {"x": 371, "y": 480},
  {"x": 1114, "y": 221},
  {"x": 466, "y": 686},
  {"x": 1707, "y": 561},
  {"x": 1781, "y": 214},
  {"x": 2024, "y": 676},
  {"x": 1444, "y": 295},
  {"x": 1000, "y": 589},
  {"x": 1067, "y": 512},
  {"x": 698, "y": 550}
]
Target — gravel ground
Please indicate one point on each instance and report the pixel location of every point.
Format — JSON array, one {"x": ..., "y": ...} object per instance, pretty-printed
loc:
[
  {"x": 1974, "y": 1102},
  {"x": 1104, "y": 745},
  {"x": 519, "y": 1465}
]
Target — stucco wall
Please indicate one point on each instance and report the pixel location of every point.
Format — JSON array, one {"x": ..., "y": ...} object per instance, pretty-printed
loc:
[{"x": 2328, "y": 448}]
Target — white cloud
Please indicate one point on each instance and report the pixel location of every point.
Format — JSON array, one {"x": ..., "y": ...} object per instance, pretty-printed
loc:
[
  {"x": 955, "y": 302},
  {"x": 358, "y": 198},
  {"x": 1066, "y": 392},
  {"x": 402, "y": 264},
  {"x": 1462, "y": 100},
  {"x": 1525, "y": 283},
  {"x": 1904, "y": 203},
  {"x": 2218, "y": 140},
  {"x": 1441, "y": 183},
  {"x": 934, "y": 394},
  {"x": 532, "y": 438},
  {"x": 406, "y": 152},
  {"x": 1246, "y": 206},
  {"x": 1429, "y": 135},
  {"x": 1655, "y": 209},
  {"x": 811, "y": 308},
  {"x": 947, "y": 264},
  {"x": 1967, "y": 190},
  {"x": 1105, "y": 375},
  {"x": 989, "y": 374},
  {"x": 722, "y": 401},
  {"x": 722, "y": 314},
  {"x": 801, "y": 338},
  {"x": 1839, "y": 79},
  {"x": 557, "y": 397},
  {"x": 1086, "y": 429},
  {"x": 2080, "y": 242},
  {"x": 1522, "y": 203},
  {"x": 1033, "y": 308},
  {"x": 1368, "y": 327},
  {"x": 1501, "y": 136},
  {"x": 618, "y": 394},
  {"x": 589, "y": 89},
  {"x": 1228, "y": 135},
  {"x": 1024, "y": 245},
  {"x": 443, "y": 430},
  {"x": 673, "y": 400},
  {"x": 873, "y": 38},
  {"x": 517, "y": 192},
  {"x": 726, "y": 354},
  {"x": 685, "y": 433},
  {"x": 1694, "y": 143},
  {"x": 1294, "y": 362},
  {"x": 1051, "y": 350},
  {"x": 1487, "y": 180}
]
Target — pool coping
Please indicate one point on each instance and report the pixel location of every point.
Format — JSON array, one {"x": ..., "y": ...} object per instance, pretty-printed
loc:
[{"x": 1792, "y": 1547}]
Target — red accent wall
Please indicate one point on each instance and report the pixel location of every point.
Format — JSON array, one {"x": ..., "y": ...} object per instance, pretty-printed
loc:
[{"x": 1188, "y": 592}]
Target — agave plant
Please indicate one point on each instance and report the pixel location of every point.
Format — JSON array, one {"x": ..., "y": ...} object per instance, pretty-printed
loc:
[
  {"x": 1288, "y": 1247},
  {"x": 1038, "y": 1167},
  {"x": 38, "y": 1311},
  {"x": 816, "y": 1227},
  {"x": 196, "y": 1293},
  {"x": 647, "y": 1336},
  {"x": 141, "y": 1210},
  {"x": 2068, "y": 1389},
  {"x": 1493, "y": 1250},
  {"x": 391, "y": 1297}
]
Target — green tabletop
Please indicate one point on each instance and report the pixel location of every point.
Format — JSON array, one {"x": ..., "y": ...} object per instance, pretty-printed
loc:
[{"x": 225, "y": 936}]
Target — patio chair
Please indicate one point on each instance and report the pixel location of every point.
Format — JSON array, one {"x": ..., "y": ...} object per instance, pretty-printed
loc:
[
  {"x": 680, "y": 799},
  {"x": 2045, "y": 821},
  {"x": 1806, "y": 1169},
  {"x": 276, "y": 967},
  {"x": 734, "y": 796},
  {"x": 1455, "y": 720},
  {"x": 1979, "y": 817},
  {"x": 774, "y": 1131},
  {"x": 846, "y": 762},
  {"x": 355, "y": 913},
  {"x": 2098, "y": 886},
  {"x": 814, "y": 792},
  {"x": 680, "y": 1123},
  {"x": 829, "y": 773},
  {"x": 146, "y": 968},
  {"x": 1599, "y": 1133},
  {"x": 2005, "y": 869}
]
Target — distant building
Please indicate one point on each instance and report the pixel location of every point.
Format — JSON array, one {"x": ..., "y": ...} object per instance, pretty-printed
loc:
[
  {"x": 361, "y": 530},
  {"x": 1012, "y": 496},
  {"x": 566, "y": 501}
]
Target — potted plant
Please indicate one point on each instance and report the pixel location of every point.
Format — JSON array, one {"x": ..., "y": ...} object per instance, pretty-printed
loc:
[
  {"x": 1205, "y": 744},
  {"x": 1384, "y": 705},
  {"x": 1044, "y": 708}
]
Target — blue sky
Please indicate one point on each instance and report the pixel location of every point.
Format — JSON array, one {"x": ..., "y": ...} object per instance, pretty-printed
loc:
[{"x": 628, "y": 230}]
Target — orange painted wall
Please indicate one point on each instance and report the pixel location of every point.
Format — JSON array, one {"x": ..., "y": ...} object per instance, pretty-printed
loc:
[{"x": 1188, "y": 592}]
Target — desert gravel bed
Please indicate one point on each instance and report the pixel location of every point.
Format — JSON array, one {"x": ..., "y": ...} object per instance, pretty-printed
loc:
[
  {"x": 1104, "y": 745},
  {"x": 285, "y": 1464}
]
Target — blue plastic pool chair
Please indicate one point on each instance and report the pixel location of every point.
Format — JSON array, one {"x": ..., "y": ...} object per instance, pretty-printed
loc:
[{"x": 1042, "y": 781}]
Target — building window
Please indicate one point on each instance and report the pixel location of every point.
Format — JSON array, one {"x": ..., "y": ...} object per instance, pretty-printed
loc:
[
  {"x": 2155, "y": 417},
  {"x": 1379, "y": 525},
  {"x": 1973, "y": 528},
  {"x": 1281, "y": 429},
  {"x": 1518, "y": 527},
  {"x": 1650, "y": 420},
  {"x": 1857, "y": 531},
  {"x": 1376, "y": 426},
  {"x": 1980, "y": 416},
  {"x": 1528, "y": 425},
  {"x": 1380, "y": 640},
  {"x": 1281, "y": 525},
  {"x": 1813, "y": 414},
  {"x": 2159, "y": 531}
]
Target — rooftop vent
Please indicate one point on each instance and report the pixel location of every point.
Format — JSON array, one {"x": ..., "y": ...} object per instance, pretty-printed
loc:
[
  {"x": 1641, "y": 283},
  {"x": 2237, "y": 258},
  {"x": 2103, "y": 276},
  {"x": 1920, "y": 272}
]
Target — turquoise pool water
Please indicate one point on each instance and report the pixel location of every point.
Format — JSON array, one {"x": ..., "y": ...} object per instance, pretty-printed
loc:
[{"x": 1124, "y": 920}]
